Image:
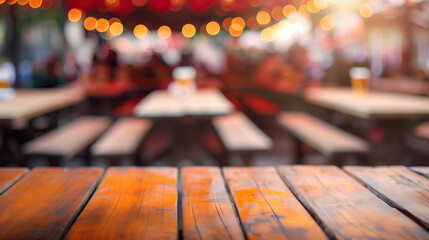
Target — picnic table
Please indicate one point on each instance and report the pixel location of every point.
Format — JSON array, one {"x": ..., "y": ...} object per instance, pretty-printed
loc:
[
  {"x": 31, "y": 103},
  {"x": 287, "y": 202},
  {"x": 391, "y": 110},
  {"x": 189, "y": 115}
]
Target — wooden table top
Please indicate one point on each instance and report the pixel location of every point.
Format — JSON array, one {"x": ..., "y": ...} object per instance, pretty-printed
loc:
[
  {"x": 29, "y": 103},
  {"x": 287, "y": 202},
  {"x": 204, "y": 102},
  {"x": 381, "y": 105}
]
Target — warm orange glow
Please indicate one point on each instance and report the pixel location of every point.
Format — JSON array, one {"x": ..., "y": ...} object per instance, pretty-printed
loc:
[
  {"x": 321, "y": 4},
  {"x": 303, "y": 10},
  {"x": 328, "y": 22},
  {"x": 90, "y": 23},
  {"x": 268, "y": 34},
  {"x": 102, "y": 25},
  {"x": 237, "y": 24},
  {"x": 116, "y": 29},
  {"x": 11, "y": 2},
  {"x": 141, "y": 31},
  {"x": 365, "y": 10},
  {"x": 2, "y": 1},
  {"x": 234, "y": 32},
  {"x": 252, "y": 23},
  {"x": 164, "y": 32},
  {"x": 263, "y": 17},
  {"x": 20, "y": 2},
  {"x": 288, "y": 9},
  {"x": 113, "y": 20},
  {"x": 213, "y": 28},
  {"x": 277, "y": 13},
  {"x": 188, "y": 30},
  {"x": 226, "y": 23},
  {"x": 311, "y": 8},
  {"x": 74, "y": 15},
  {"x": 35, "y": 3}
]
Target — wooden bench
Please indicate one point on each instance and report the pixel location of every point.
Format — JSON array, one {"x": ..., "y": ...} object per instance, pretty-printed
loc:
[
  {"x": 68, "y": 140},
  {"x": 330, "y": 141},
  {"x": 123, "y": 139},
  {"x": 239, "y": 134},
  {"x": 45, "y": 202}
]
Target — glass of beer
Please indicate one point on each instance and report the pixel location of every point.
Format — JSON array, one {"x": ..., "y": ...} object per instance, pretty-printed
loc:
[
  {"x": 360, "y": 77},
  {"x": 184, "y": 81}
]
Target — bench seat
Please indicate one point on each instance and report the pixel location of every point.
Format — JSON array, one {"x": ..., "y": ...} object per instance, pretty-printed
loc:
[
  {"x": 67, "y": 141},
  {"x": 123, "y": 139},
  {"x": 239, "y": 134},
  {"x": 330, "y": 141}
]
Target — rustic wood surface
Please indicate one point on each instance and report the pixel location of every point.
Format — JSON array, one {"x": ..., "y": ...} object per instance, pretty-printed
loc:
[
  {"x": 267, "y": 207},
  {"x": 347, "y": 209},
  {"x": 322, "y": 136},
  {"x": 421, "y": 170},
  {"x": 292, "y": 202},
  {"x": 31, "y": 103},
  {"x": 9, "y": 176},
  {"x": 374, "y": 105},
  {"x": 207, "y": 209},
  {"x": 238, "y": 133},
  {"x": 204, "y": 102},
  {"x": 69, "y": 139},
  {"x": 398, "y": 186},
  {"x": 123, "y": 138},
  {"x": 131, "y": 203},
  {"x": 45, "y": 202}
]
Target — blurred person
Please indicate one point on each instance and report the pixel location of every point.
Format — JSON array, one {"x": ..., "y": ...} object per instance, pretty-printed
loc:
[{"x": 49, "y": 74}]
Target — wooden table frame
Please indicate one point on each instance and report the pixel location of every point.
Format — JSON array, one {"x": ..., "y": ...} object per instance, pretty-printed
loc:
[{"x": 287, "y": 202}]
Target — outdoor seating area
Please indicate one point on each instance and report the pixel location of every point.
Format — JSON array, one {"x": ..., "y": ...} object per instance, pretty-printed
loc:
[{"x": 214, "y": 119}]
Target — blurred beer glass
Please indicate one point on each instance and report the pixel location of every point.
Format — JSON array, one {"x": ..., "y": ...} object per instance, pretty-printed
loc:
[
  {"x": 360, "y": 77},
  {"x": 6, "y": 90},
  {"x": 184, "y": 81}
]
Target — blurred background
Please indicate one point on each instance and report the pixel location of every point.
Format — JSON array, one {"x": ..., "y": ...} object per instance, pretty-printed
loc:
[{"x": 264, "y": 56}]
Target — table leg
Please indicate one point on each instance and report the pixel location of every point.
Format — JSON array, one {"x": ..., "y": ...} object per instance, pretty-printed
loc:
[{"x": 393, "y": 142}]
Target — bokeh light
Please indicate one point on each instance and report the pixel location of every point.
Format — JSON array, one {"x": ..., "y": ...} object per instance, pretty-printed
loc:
[
  {"x": 141, "y": 31},
  {"x": 116, "y": 28},
  {"x": 263, "y": 17},
  {"x": 212, "y": 28},
  {"x": 74, "y": 15},
  {"x": 164, "y": 32},
  {"x": 365, "y": 10},
  {"x": 102, "y": 25},
  {"x": 90, "y": 23},
  {"x": 188, "y": 30}
]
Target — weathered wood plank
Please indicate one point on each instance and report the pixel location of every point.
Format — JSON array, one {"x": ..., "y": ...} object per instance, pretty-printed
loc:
[
  {"x": 421, "y": 170},
  {"x": 208, "y": 212},
  {"x": 347, "y": 209},
  {"x": 45, "y": 202},
  {"x": 267, "y": 207},
  {"x": 131, "y": 203},
  {"x": 398, "y": 186},
  {"x": 9, "y": 176}
]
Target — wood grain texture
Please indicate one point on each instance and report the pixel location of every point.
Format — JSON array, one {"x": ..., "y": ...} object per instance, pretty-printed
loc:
[
  {"x": 207, "y": 209},
  {"x": 45, "y": 202},
  {"x": 204, "y": 102},
  {"x": 70, "y": 139},
  {"x": 31, "y": 103},
  {"x": 238, "y": 133},
  {"x": 322, "y": 136},
  {"x": 347, "y": 209},
  {"x": 131, "y": 203},
  {"x": 421, "y": 170},
  {"x": 9, "y": 176},
  {"x": 381, "y": 105},
  {"x": 123, "y": 138},
  {"x": 399, "y": 186},
  {"x": 267, "y": 207}
]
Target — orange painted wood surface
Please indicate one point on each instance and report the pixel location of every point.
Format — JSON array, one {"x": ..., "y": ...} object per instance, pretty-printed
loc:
[
  {"x": 421, "y": 170},
  {"x": 9, "y": 176},
  {"x": 131, "y": 203},
  {"x": 345, "y": 208},
  {"x": 208, "y": 212},
  {"x": 43, "y": 204},
  {"x": 399, "y": 186},
  {"x": 267, "y": 208}
]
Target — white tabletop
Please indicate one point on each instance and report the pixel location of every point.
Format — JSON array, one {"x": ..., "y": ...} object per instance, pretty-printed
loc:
[
  {"x": 204, "y": 102},
  {"x": 374, "y": 105},
  {"x": 29, "y": 103}
]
